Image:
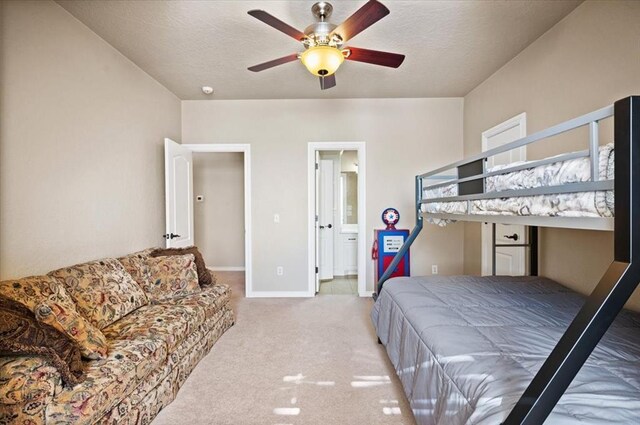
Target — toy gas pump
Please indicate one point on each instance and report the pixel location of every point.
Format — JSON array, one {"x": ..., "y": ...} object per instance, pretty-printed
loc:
[{"x": 387, "y": 242}]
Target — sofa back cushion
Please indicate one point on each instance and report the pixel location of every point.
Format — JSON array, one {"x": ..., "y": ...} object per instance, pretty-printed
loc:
[
  {"x": 136, "y": 265},
  {"x": 205, "y": 278},
  {"x": 102, "y": 289},
  {"x": 47, "y": 299},
  {"x": 171, "y": 277},
  {"x": 22, "y": 334}
]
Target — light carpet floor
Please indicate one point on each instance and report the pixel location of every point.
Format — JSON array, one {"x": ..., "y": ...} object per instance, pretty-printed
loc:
[{"x": 293, "y": 361}]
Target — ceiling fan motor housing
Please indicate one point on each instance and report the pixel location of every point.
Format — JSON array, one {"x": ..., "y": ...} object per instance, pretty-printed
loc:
[{"x": 319, "y": 34}]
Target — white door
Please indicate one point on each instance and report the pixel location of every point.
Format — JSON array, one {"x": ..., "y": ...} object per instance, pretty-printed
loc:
[
  {"x": 509, "y": 261},
  {"x": 325, "y": 218},
  {"x": 178, "y": 176},
  {"x": 317, "y": 218}
]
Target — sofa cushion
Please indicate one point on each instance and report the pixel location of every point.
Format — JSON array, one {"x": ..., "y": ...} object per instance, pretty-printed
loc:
[
  {"x": 108, "y": 381},
  {"x": 205, "y": 278},
  {"x": 22, "y": 334},
  {"x": 136, "y": 265},
  {"x": 51, "y": 304},
  {"x": 103, "y": 291},
  {"x": 28, "y": 379},
  {"x": 160, "y": 388},
  {"x": 168, "y": 322},
  {"x": 210, "y": 299},
  {"x": 171, "y": 277}
]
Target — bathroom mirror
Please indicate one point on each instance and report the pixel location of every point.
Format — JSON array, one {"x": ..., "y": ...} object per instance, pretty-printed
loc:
[{"x": 349, "y": 197}]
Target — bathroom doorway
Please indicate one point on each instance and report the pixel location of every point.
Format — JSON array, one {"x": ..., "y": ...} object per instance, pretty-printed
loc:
[{"x": 336, "y": 219}]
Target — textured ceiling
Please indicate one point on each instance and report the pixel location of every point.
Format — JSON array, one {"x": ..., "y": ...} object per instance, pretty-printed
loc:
[{"x": 451, "y": 46}]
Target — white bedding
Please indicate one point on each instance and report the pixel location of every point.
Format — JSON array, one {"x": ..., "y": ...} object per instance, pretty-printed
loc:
[{"x": 581, "y": 204}]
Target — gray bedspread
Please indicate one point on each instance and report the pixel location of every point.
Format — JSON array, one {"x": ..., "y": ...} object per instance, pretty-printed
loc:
[{"x": 465, "y": 348}]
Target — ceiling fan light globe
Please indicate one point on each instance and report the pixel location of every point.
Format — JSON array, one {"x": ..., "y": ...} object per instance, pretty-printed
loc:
[{"x": 322, "y": 61}]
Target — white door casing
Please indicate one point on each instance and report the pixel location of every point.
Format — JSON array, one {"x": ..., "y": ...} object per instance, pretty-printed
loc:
[
  {"x": 178, "y": 172},
  {"x": 317, "y": 218},
  {"x": 312, "y": 148},
  {"x": 326, "y": 218},
  {"x": 245, "y": 149},
  {"x": 509, "y": 261}
]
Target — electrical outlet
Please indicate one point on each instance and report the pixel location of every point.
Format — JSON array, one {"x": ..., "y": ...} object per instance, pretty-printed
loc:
[
  {"x": 276, "y": 218},
  {"x": 279, "y": 270},
  {"x": 434, "y": 269}
]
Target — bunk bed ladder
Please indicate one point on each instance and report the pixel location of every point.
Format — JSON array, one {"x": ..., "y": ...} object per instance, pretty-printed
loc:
[
  {"x": 407, "y": 244},
  {"x": 614, "y": 288}
]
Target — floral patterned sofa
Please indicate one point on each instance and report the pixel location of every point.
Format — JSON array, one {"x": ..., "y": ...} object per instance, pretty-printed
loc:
[{"x": 141, "y": 323}]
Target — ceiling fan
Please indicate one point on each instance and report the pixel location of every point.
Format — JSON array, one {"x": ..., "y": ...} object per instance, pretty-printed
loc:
[{"x": 323, "y": 41}]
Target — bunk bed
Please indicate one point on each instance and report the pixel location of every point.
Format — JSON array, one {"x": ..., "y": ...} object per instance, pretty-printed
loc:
[{"x": 521, "y": 350}]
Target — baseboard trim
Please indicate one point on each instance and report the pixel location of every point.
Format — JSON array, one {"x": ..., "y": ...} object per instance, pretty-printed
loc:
[
  {"x": 366, "y": 294},
  {"x": 227, "y": 269},
  {"x": 279, "y": 294}
]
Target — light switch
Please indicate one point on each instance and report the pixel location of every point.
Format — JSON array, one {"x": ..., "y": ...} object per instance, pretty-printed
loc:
[{"x": 276, "y": 218}]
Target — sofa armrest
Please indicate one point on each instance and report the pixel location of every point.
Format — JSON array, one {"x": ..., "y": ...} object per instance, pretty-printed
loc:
[{"x": 27, "y": 385}]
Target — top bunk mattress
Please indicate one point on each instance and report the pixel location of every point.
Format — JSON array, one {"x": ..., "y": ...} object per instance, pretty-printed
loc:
[
  {"x": 579, "y": 204},
  {"x": 465, "y": 349}
]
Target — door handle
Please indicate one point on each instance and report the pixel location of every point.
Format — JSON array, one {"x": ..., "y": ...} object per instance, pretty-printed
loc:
[
  {"x": 322, "y": 227},
  {"x": 170, "y": 236},
  {"x": 512, "y": 237}
]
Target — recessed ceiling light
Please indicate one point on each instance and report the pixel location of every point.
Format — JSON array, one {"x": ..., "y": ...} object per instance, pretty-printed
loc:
[{"x": 207, "y": 90}]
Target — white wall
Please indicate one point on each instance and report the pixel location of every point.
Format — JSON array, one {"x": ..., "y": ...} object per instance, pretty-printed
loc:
[
  {"x": 587, "y": 61},
  {"x": 219, "y": 219},
  {"x": 81, "y": 157},
  {"x": 404, "y": 137}
]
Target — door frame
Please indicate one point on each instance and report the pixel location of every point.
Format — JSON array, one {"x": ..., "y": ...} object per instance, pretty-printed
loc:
[
  {"x": 312, "y": 148},
  {"x": 486, "y": 234},
  {"x": 244, "y": 148}
]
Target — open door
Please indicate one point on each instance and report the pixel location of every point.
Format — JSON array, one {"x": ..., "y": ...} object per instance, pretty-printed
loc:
[
  {"x": 178, "y": 176},
  {"x": 317, "y": 224},
  {"x": 325, "y": 218}
]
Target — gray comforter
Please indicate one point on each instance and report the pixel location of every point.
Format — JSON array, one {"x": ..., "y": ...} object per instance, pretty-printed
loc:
[{"x": 465, "y": 348}]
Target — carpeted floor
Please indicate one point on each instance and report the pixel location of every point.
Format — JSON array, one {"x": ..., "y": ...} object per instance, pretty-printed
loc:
[{"x": 293, "y": 361}]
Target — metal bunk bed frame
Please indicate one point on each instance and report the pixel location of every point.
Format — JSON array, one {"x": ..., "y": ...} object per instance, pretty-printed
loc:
[{"x": 619, "y": 281}]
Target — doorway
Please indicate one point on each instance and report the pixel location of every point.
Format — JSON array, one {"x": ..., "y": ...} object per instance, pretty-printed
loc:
[
  {"x": 510, "y": 261},
  {"x": 218, "y": 189},
  {"x": 196, "y": 212},
  {"x": 336, "y": 218}
]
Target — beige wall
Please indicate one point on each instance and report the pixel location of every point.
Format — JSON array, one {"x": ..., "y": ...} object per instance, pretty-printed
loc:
[
  {"x": 219, "y": 219},
  {"x": 81, "y": 157},
  {"x": 403, "y": 136},
  {"x": 587, "y": 61}
]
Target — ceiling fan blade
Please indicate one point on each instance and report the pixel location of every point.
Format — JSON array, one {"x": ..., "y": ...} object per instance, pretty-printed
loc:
[
  {"x": 275, "y": 62},
  {"x": 327, "y": 82},
  {"x": 376, "y": 57},
  {"x": 277, "y": 24},
  {"x": 362, "y": 19}
]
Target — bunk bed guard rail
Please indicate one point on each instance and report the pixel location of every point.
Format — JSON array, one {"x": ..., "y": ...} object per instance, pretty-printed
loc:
[{"x": 621, "y": 278}]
